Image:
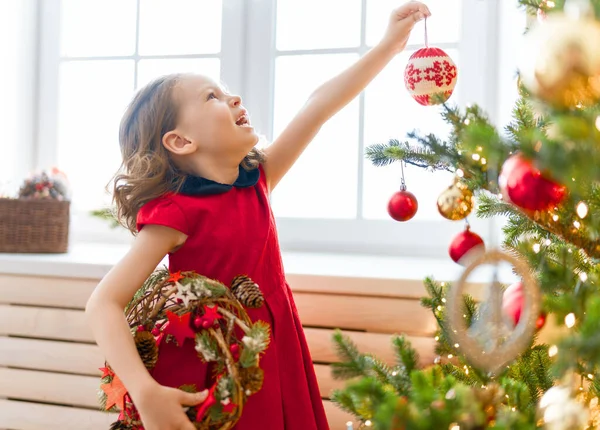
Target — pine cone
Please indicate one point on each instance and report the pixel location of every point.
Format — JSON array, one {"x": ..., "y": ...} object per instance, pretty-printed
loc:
[
  {"x": 147, "y": 348},
  {"x": 252, "y": 378},
  {"x": 247, "y": 292},
  {"x": 120, "y": 425}
]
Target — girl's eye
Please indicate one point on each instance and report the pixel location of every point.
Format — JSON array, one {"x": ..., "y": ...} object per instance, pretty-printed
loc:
[{"x": 211, "y": 96}]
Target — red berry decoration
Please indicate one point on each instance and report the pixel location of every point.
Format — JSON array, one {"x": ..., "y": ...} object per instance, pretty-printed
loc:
[
  {"x": 526, "y": 187},
  {"x": 512, "y": 304},
  {"x": 155, "y": 332},
  {"x": 403, "y": 205},
  {"x": 430, "y": 76},
  {"x": 198, "y": 322},
  {"x": 235, "y": 351},
  {"x": 466, "y": 246}
]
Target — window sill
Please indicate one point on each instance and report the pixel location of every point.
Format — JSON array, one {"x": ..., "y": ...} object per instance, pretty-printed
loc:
[{"x": 347, "y": 274}]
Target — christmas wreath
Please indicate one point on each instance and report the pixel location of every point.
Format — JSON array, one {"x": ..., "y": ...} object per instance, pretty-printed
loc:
[{"x": 172, "y": 307}]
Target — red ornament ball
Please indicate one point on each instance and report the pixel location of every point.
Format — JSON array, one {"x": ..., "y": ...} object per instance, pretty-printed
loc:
[
  {"x": 465, "y": 247},
  {"x": 198, "y": 322},
  {"x": 512, "y": 305},
  {"x": 403, "y": 205},
  {"x": 541, "y": 321},
  {"x": 525, "y": 186},
  {"x": 430, "y": 76}
]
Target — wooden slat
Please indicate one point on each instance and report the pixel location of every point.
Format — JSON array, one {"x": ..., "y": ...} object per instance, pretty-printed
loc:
[
  {"x": 45, "y": 291},
  {"x": 337, "y": 418},
  {"x": 34, "y": 416},
  {"x": 67, "y": 357},
  {"x": 378, "y": 315},
  {"x": 326, "y": 382},
  {"x": 45, "y": 323},
  {"x": 48, "y": 387},
  {"x": 323, "y": 351}
]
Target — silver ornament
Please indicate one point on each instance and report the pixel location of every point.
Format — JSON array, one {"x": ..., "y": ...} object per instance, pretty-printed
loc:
[
  {"x": 491, "y": 343},
  {"x": 559, "y": 410}
]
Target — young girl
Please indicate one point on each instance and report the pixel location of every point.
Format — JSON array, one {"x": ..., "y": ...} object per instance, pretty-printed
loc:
[{"x": 193, "y": 186}]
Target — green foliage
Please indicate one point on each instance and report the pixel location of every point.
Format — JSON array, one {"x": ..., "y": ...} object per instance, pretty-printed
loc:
[{"x": 255, "y": 342}]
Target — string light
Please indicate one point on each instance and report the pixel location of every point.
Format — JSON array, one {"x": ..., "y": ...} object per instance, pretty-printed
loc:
[
  {"x": 536, "y": 248},
  {"x": 437, "y": 338},
  {"x": 439, "y": 308},
  {"x": 454, "y": 426},
  {"x": 570, "y": 320},
  {"x": 582, "y": 209},
  {"x": 590, "y": 376},
  {"x": 443, "y": 300},
  {"x": 456, "y": 345},
  {"x": 576, "y": 224},
  {"x": 476, "y": 157},
  {"x": 552, "y": 351},
  {"x": 368, "y": 423},
  {"x": 555, "y": 218},
  {"x": 548, "y": 242},
  {"x": 394, "y": 373},
  {"x": 467, "y": 121},
  {"x": 450, "y": 356},
  {"x": 443, "y": 284},
  {"x": 349, "y": 425},
  {"x": 483, "y": 161},
  {"x": 550, "y": 4},
  {"x": 598, "y": 122},
  {"x": 583, "y": 276}
]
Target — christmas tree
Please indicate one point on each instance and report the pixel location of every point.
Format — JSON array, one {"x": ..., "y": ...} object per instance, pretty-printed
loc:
[{"x": 541, "y": 175}]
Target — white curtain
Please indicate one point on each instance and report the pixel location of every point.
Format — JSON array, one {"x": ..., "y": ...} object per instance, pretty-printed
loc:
[{"x": 18, "y": 70}]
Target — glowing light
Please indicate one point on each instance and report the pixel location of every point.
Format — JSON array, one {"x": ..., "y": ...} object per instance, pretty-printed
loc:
[
  {"x": 454, "y": 427},
  {"x": 450, "y": 356},
  {"x": 570, "y": 320},
  {"x": 368, "y": 423},
  {"x": 552, "y": 351},
  {"x": 467, "y": 121},
  {"x": 583, "y": 276},
  {"x": 576, "y": 224},
  {"x": 483, "y": 161},
  {"x": 456, "y": 345},
  {"x": 439, "y": 308},
  {"x": 536, "y": 248},
  {"x": 548, "y": 242},
  {"x": 550, "y": 4},
  {"x": 443, "y": 300},
  {"x": 598, "y": 122},
  {"x": 555, "y": 218},
  {"x": 590, "y": 376},
  {"x": 394, "y": 373},
  {"x": 582, "y": 209},
  {"x": 437, "y": 338},
  {"x": 476, "y": 157}
]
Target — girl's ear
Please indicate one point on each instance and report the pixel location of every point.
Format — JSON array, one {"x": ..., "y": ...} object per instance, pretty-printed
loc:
[{"x": 177, "y": 144}]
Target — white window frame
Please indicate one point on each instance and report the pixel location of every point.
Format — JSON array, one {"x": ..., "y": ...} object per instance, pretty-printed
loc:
[{"x": 248, "y": 66}]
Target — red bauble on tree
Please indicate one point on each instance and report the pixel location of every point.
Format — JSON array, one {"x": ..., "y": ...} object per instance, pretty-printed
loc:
[
  {"x": 430, "y": 76},
  {"x": 512, "y": 304},
  {"x": 526, "y": 187},
  {"x": 403, "y": 205},
  {"x": 466, "y": 246}
]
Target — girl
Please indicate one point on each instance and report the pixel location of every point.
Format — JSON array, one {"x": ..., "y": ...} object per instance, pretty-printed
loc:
[{"x": 193, "y": 186}]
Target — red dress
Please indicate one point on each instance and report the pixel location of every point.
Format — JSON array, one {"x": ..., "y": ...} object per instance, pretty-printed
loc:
[{"x": 231, "y": 231}]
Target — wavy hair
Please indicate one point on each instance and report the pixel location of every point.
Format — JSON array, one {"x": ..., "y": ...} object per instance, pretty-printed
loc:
[{"x": 147, "y": 170}]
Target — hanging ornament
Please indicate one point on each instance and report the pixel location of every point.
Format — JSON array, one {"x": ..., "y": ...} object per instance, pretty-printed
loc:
[
  {"x": 559, "y": 410},
  {"x": 456, "y": 202},
  {"x": 403, "y": 204},
  {"x": 490, "y": 344},
  {"x": 525, "y": 186},
  {"x": 466, "y": 246},
  {"x": 512, "y": 304},
  {"x": 560, "y": 61},
  {"x": 430, "y": 75}
]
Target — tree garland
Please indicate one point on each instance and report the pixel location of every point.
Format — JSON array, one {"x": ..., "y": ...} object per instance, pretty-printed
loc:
[{"x": 174, "y": 307}]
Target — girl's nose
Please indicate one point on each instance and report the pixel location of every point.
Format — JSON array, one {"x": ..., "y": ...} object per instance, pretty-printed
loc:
[{"x": 235, "y": 101}]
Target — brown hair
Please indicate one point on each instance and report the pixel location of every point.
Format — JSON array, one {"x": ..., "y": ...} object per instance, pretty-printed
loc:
[{"x": 147, "y": 170}]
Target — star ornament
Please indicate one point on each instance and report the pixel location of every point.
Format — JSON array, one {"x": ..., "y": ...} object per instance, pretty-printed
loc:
[
  {"x": 106, "y": 371},
  {"x": 210, "y": 316},
  {"x": 184, "y": 293},
  {"x": 175, "y": 277},
  {"x": 115, "y": 393},
  {"x": 179, "y": 327}
]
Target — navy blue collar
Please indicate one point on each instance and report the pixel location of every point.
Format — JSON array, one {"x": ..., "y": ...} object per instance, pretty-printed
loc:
[{"x": 196, "y": 185}]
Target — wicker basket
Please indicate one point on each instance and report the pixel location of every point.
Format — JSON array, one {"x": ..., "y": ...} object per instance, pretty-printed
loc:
[{"x": 28, "y": 226}]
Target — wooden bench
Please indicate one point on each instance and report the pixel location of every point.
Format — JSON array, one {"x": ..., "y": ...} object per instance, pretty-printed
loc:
[{"x": 49, "y": 375}]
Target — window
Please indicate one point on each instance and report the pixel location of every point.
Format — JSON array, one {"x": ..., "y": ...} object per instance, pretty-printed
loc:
[{"x": 95, "y": 54}]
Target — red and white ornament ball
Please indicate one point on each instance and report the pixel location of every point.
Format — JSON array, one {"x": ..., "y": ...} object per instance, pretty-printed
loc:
[
  {"x": 430, "y": 76},
  {"x": 465, "y": 247},
  {"x": 403, "y": 205},
  {"x": 525, "y": 186},
  {"x": 512, "y": 305}
]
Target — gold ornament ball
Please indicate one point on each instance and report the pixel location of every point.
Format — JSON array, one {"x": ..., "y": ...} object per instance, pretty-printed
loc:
[
  {"x": 559, "y": 410},
  {"x": 456, "y": 202},
  {"x": 560, "y": 61}
]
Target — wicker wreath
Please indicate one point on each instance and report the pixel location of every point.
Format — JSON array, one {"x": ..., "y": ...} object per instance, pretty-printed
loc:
[{"x": 172, "y": 307}]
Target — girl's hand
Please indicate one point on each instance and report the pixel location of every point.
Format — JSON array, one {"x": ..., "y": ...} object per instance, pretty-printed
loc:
[
  {"x": 160, "y": 407},
  {"x": 402, "y": 21}
]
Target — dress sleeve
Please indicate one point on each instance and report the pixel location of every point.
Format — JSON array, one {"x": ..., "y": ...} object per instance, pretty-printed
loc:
[{"x": 163, "y": 211}]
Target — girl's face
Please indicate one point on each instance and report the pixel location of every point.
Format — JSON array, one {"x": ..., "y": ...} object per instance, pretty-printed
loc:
[{"x": 212, "y": 120}]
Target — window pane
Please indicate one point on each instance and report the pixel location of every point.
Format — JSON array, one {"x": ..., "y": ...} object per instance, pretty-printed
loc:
[
  {"x": 150, "y": 69},
  {"x": 170, "y": 27},
  {"x": 442, "y": 27},
  {"x": 314, "y": 24},
  {"x": 390, "y": 112},
  {"x": 97, "y": 27},
  {"x": 93, "y": 96},
  {"x": 323, "y": 183}
]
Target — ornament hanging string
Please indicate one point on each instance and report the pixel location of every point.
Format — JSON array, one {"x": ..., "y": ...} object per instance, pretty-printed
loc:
[
  {"x": 426, "y": 39},
  {"x": 402, "y": 181}
]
